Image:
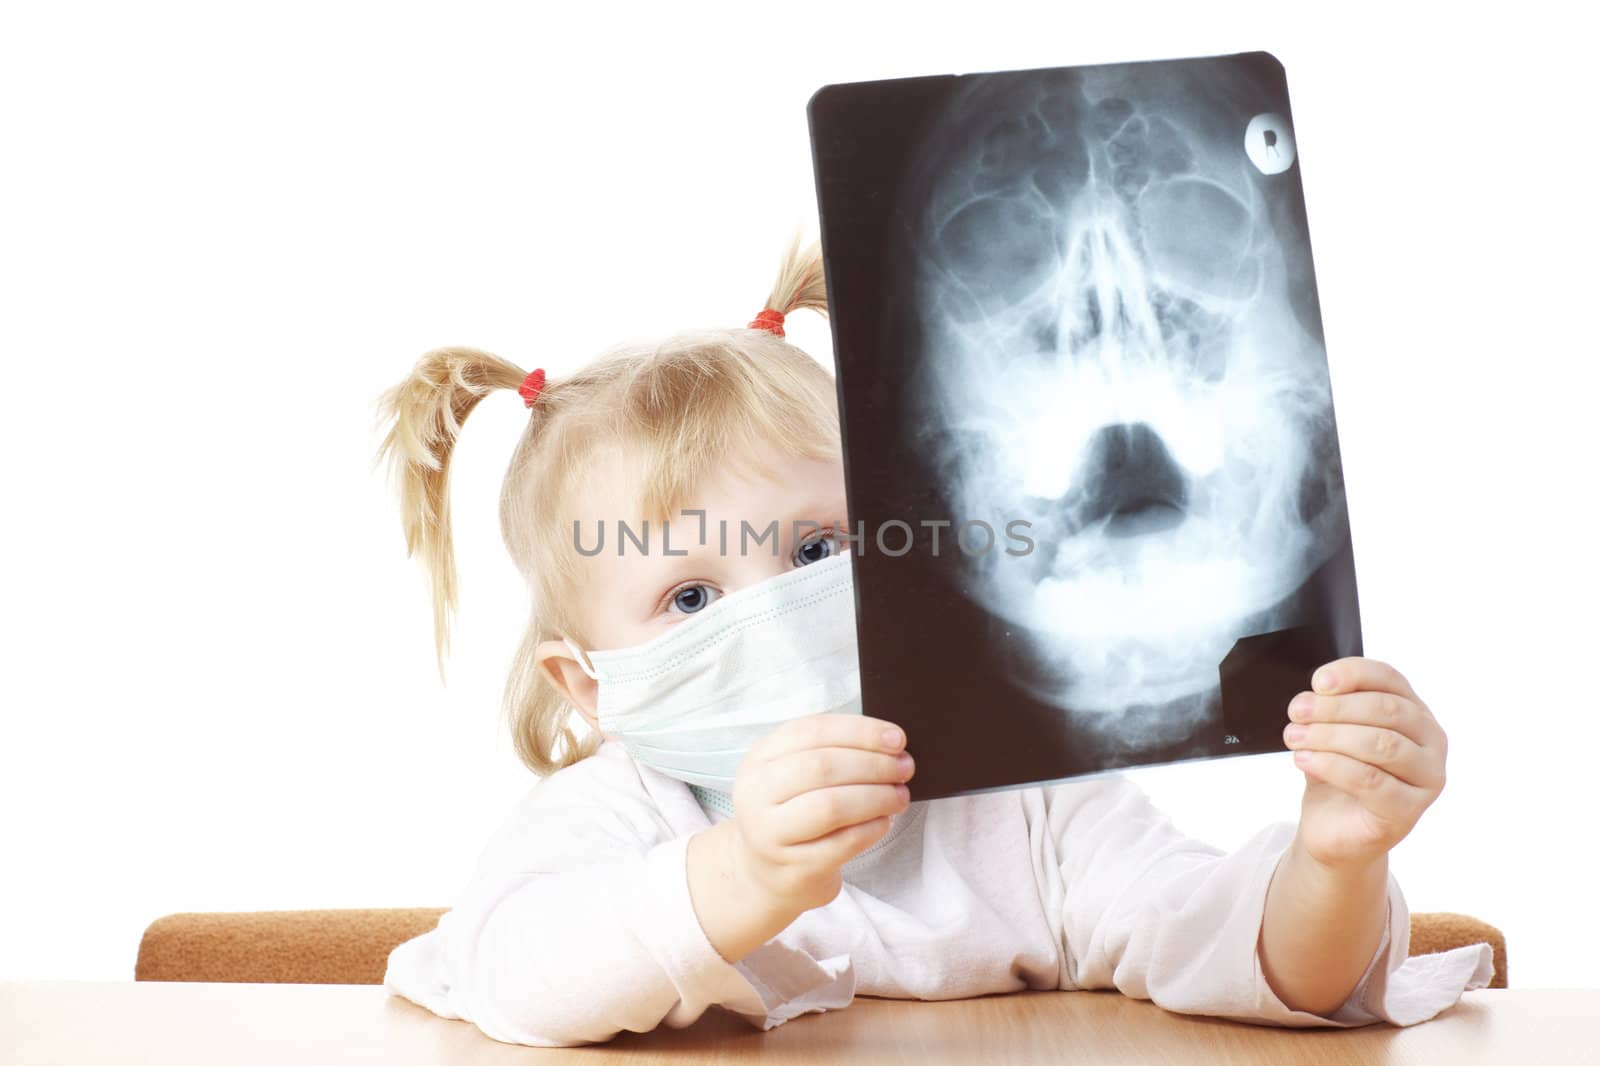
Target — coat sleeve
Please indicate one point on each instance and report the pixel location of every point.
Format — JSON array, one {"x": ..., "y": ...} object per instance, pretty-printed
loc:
[
  {"x": 577, "y": 925},
  {"x": 1164, "y": 917}
]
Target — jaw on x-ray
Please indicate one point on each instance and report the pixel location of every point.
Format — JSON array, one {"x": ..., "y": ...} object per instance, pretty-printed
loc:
[{"x": 1113, "y": 351}]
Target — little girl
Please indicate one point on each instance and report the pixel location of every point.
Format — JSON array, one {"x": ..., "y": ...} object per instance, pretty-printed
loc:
[{"x": 732, "y": 830}]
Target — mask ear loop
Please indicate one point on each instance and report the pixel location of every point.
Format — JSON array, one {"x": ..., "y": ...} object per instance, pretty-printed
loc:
[{"x": 581, "y": 658}]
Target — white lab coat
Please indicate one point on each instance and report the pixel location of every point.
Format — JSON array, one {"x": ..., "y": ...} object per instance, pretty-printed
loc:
[{"x": 577, "y": 923}]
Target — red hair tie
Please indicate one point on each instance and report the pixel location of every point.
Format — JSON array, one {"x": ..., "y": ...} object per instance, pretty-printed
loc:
[
  {"x": 769, "y": 320},
  {"x": 531, "y": 386}
]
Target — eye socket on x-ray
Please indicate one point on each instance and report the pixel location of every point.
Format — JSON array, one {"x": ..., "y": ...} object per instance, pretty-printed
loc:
[{"x": 1199, "y": 240}]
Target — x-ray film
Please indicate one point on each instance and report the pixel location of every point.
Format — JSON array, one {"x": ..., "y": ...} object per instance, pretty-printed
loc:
[{"x": 1089, "y": 434}]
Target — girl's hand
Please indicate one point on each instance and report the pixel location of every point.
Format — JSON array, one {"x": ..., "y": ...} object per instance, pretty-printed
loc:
[
  {"x": 1373, "y": 756},
  {"x": 810, "y": 796}
]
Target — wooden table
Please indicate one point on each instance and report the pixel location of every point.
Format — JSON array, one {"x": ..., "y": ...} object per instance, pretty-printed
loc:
[{"x": 174, "y": 1023}]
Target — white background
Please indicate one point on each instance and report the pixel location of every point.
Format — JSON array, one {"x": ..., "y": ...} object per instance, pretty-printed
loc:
[{"x": 225, "y": 232}]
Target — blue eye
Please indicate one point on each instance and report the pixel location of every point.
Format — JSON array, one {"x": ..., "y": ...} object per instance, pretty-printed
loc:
[
  {"x": 692, "y": 598},
  {"x": 821, "y": 547}
]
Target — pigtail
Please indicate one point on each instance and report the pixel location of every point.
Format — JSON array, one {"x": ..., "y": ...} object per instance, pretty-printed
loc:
[
  {"x": 800, "y": 280},
  {"x": 424, "y": 414}
]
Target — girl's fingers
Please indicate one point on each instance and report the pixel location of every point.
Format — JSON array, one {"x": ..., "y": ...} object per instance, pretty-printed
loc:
[
  {"x": 840, "y": 846},
  {"x": 1385, "y": 795},
  {"x": 1391, "y": 751},
  {"x": 1355, "y": 673},
  {"x": 1384, "y": 710},
  {"x": 832, "y": 729},
  {"x": 789, "y": 775},
  {"x": 821, "y": 811}
]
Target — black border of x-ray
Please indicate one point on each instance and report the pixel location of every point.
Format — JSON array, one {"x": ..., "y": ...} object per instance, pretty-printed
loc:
[{"x": 957, "y": 710}]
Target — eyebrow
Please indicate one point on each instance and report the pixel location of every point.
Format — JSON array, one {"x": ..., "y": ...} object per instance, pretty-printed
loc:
[{"x": 718, "y": 536}]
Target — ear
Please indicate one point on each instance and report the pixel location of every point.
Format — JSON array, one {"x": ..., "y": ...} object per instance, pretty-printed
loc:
[{"x": 577, "y": 687}]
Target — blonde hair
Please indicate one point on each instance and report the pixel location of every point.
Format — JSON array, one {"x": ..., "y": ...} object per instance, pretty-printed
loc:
[{"x": 683, "y": 407}]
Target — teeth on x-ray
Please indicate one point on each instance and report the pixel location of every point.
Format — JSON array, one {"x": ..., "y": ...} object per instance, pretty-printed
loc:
[{"x": 1114, "y": 352}]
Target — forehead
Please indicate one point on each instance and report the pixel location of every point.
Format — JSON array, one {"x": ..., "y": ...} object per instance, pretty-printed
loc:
[{"x": 759, "y": 480}]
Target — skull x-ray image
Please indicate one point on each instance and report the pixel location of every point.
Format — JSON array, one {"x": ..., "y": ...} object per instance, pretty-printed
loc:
[{"x": 1089, "y": 430}]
